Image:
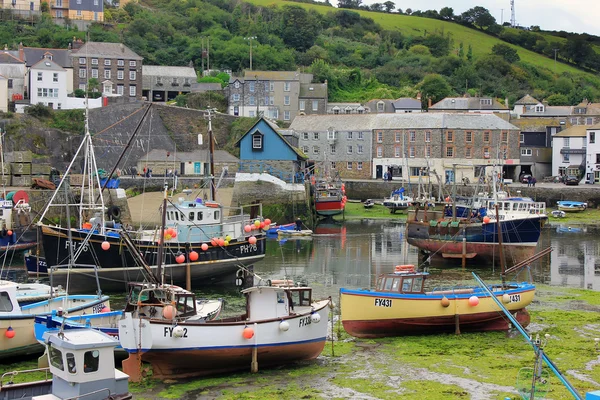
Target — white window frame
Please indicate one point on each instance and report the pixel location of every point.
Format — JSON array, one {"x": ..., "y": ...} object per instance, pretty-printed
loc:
[
  {"x": 359, "y": 149},
  {"x": 315, "y": 135},
  {"x": 82, "y": 61},
  {"x": 257, "y": 144},
  {"x": 412, "y": 136},
  {"x": 132, "y": 75},
  {"x": 95, "y": 73},
  {"x": 305, "y": 135},
  {"x": 331, "y": 135},
  {"x": 251, "y": 86},
  {"x": 107, "y": 74},
  {"x": 286, "y": 86},
  {"x": 332, "y": 148},
  {"x": 526, "y": 152},
  {"x": 39, "y": 76},
  {"x": 379, "y": 151},
  {"x": 120, "y": 63},
  {"x": 55, "y": 77},
  {"x": 315, "y": 105},
  {"x": 94, "y": 61},
  {"x": 286, "y": 115},
  {"x": 361, "y": 136},
  {"x": 82, "y": 73},
  {"x": 349, "y": 165},
  {"x": 120, "y": 74},
  {"x": 132, "y": 63},
  {"x": 379, "y": 137},
  {"x": 286, "y": 100},
  {"x": 120, "y": 89},
  {"x": 301, "y": 105},
  {"x": 236, "y": 97},
  {"x": 359, "y": 165},
  {"x": 316, "y": 149},
  {"x": 349, "y": 149},
  {"x": 107, "y": 61},
  {"x": 132, "y": 90},
  {"x": 427, "y": 136}
]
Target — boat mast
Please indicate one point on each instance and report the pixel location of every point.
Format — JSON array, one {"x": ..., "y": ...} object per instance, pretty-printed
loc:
[
  {"x": 161, "y": 239},
  {"x": 2, "y": 161},
  {"x": 453, "y": 192},
  {"x": 211, "y": 150},
  {"x": 500, "y": 249}
]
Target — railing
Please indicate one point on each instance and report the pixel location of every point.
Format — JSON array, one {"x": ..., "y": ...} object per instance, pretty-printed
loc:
[{"x": 12, "y": 374}]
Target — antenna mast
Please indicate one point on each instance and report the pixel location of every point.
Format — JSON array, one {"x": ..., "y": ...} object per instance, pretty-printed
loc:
[{"x": 513, "y": 19}]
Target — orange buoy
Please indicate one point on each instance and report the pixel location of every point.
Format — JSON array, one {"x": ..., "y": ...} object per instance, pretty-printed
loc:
[
  {"x": 445, "y": 302},
  {"x": 248, "y": 333}
]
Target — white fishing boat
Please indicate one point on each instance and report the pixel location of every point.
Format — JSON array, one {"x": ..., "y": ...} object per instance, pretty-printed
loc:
[
  {"x": 397, "y": 201},
  {"x": 281, "y": 324},
  {"x": 17, "y": 322},
  {"x": 28, "y": 293}
]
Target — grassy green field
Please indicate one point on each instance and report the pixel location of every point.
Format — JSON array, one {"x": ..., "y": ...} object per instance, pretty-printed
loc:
[{"x": 415, "y": 26}]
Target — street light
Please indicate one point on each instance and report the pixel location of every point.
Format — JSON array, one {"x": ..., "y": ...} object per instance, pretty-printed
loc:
[{"x": 250, "y": 39}]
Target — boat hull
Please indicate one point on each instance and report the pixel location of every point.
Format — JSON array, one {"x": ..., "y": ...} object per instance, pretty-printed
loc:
[
  {"x": 116, "y": 266},
  {"x": 219, "y": 346},
  {"x": 329, "y": 208},
  {"x": 376, "y": 314}
]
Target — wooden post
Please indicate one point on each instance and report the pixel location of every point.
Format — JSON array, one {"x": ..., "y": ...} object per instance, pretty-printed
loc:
[
  {"x": 464, "y": 252},
  {"x": 254, "y": 364},
  {"x": 457, "y": 324}
]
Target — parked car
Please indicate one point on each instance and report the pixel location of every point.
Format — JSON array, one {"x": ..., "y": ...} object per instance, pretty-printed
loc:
[
  {"x": 525, "y": 178},
  {"x": 571, "y": 180}
]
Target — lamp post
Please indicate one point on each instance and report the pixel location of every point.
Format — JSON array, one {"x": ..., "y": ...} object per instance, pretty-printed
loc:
[{"x": 250, "y": 39}]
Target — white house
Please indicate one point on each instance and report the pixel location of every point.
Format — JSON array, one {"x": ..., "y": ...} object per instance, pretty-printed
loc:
[
  {"x": 592, "y": 163},
  {"x": 569, "y": 151},
  {"x": 3, "y": 94}
]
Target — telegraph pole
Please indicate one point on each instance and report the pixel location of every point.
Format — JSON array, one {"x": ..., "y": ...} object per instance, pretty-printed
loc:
[
  {"x": 250, "y": 39},
  {"x": 555, "y": 52}
]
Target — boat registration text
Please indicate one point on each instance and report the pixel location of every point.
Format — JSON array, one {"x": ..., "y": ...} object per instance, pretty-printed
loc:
[{"x": 383, "y": 302}]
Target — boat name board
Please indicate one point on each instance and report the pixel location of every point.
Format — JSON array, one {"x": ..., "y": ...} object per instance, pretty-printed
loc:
[
  {"x": 97, "y": 309},
  {"x": 383, "y": 302},
  {"x": 75, "y": 245},
  {"x": 304, "y": 321}
]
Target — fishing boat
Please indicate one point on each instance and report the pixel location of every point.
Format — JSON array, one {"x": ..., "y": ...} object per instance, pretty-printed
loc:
[
  {"x": 397, "y": 201},
  {"x": 329, "y": 196},
  {"x": 17, "y": 322},
  {"x": 400, "y": 305},
  {"x": 15, "y": 222},
  {"x": 81, "y": 365},
  {"x": 368, "y": 203},
  {"x": 571, "y": 206},
  {"x": 281, "y": 324},
  {"x": 28, "y": 293},
  {"x": 293, "y": 233},
  {"x": 205, "y": 239}
]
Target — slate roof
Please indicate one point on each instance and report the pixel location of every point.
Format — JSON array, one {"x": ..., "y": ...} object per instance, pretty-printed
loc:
[
  {"x": 549, "y": 111},
  {"x": 596, "y": 126},
  {"x": 388, "y": 106},
  {"x": 366, "y": 122},
  {"x": 272, "y": 75},
  {"x": 467, "y": 103},
  {"x": 205, "y": 87},
  {"x": 7, "y": 58},
  {"x": 313, "y": 90},
  {"x": 527, "y": 100},
  {"x": 535, "y": 124},
  {"x": 574, "y": 131},
  {"x": 279, "y": 133},
  {"x": 407, "y": 103},
  {"x": 197, "y": 155},
  {"x": 48, "y": 65},
  {"x": 33, "y": 55},
  {"x": 106, "y": 50},
  {"x": 177, "y": 72}
]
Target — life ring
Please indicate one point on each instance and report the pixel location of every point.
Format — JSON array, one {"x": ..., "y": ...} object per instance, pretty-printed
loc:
[
  {"x": 114, "y": 212},
  {"x": 404, "y": 268}
]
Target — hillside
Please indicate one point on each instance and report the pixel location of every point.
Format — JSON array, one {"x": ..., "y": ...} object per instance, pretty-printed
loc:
[{"x": 481, "y": 42}]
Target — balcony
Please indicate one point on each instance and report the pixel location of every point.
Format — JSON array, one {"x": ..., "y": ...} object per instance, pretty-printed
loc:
[{"x": 573, "y": 151}]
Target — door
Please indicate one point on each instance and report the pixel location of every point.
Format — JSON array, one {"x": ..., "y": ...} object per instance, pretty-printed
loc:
[
  {"x": 379, "y": 172},
  {"x": 236, "y": 110},
  {"x": 196, "y": 168},
  {"x": 597, "y": 176},
  {"x": 449, "y": 176}
]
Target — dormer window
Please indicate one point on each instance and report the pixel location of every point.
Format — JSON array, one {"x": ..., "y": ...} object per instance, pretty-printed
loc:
[
  {"x": 380, "y": 106},
  {"x": 257, "y": 141},
  {"x": 539, "y": 108},
  {"x": 486, "y": 102},
  {"x": 236, "y": 85}
]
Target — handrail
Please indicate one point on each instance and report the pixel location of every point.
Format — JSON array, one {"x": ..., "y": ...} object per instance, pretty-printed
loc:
[{"x": 15, "y": 373}]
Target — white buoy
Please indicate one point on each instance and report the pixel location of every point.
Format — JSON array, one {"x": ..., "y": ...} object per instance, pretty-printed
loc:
[
  {"x": 315, "y": 318},
  {"x": 284, "y": 326}
]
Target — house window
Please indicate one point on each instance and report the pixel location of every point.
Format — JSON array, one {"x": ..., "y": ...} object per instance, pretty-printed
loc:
[
  {"x": 286, "y": 115},
  {"x": 427, "y": 151},
  {"x": 411, "y": 151},
  {"x": 449, "y": 136},
  {"x": 94, "y": 61},
  {"x": 486, "y": 102},
  {"x": 349, "y": 135},
  {"x": 271, "y": 86},
  {"x": 349, "y": 165},
  {"x": 59, "y": 106},
  {"x": 331, "y": 135},
  {"x": 589, "y": 121},
  {"x": 592, "y": 137},
  {"x": 94, "y": 73},
  {"x": 574, "y": 121},
  {"x": 397, "y": 137},
  {"x": 413, "y": 136},
  {"x": 450, "y": 151},
  {"x": 106, "y": 61},
  {"x": 315, "y": 149},
  {"x": 120, "y": 74},
  {"x": 315, "y": 105},
  {"x": 566, "y": 142},
  {"x": 332, "y": 148},
  {"x": 132, "y": 90},
  {"x": 271, "y": 100},
  {"x": 397, "y": 151},
  {"x": 486, "y": 152},
  {"x": 359, "y": 165},
  {"x": 132, "y": 76},
  {"x": 597, "y": 158},
  {"x": 251, "y": 86},
  {"x": 539, "y": 108},
  {"x": 504, "y": 137},
  {"x": 79, "y": 13},
  {"x": 349, "y": 150},
  {"x": 120, "y": 90},
  {"x": 380, "y": 106},
  {"x": 565, "y": 158},
  {"x": 174, "y": 82},
  {"x": 251, "y": 100},
  {"x": 286, "y": 100},
  {"x": 236, "y": 84},
  {"x": 55, "y": 77},
  {"x": 315, "y": 135},
  {"x": 266, "y": 86},
  {"x": 469, "y": 137},
  {"x": 10, "y": 83},
  {"x": 348, "y": 110},
  {"x": 266, "y": 101},
  {"x": 525, "y": 152},
  {"x": 257, "y": 141},
  {"x": 359, "y": 149},
  {"x": 360, "y": 136},
  {"x": 428, "y": 136},
  {"x": 486, "y": 136},
  {"x": 286, "y": 86},
  {"x": 251, "y": 114},
  {"x": 336, "y": 110},
  {"x": 82, "y": 60},
  {"x": 39, "y": 76},
  {"x": 236, "y": 97},
  {"x": 468, "y": 152},
  {"x": 107, "y": 74},
  {"x": 132, "y": 63},
  {"x": 305, "y": 149},
  {"x": 302, "y": 105},
  {"x": 82, "y": 73},
  {"x": 521, "y": 138},
  {"x": 333, "y": 165},
  {"x": 305, "y": 135},
  {"x": 120, "y": 63},
  {"x": 379, "y": 137},
  {"x": 379, "y": 151}
]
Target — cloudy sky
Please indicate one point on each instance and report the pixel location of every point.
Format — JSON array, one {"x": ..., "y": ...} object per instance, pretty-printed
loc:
[{"x": 571, "y": 15}]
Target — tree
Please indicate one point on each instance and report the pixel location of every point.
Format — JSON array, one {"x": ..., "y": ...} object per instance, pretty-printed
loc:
[
  {"x": 461, "y": 50},
  {"x": 434, "y": 87},
  {"x": 349, "y": 4},
  {"x": 447, "y": 13},
  {"x": 389, "y": 6},
  {"x": 478, "y": 16},
  {"x": 506, "y": 52},
  {"x": 470, "y": 53},
  {"x": 558, "y": 100},
  {"x": 377, "y": 7},
  {"x": 300, "y": 29},
  {"x": 408, "y": 11}
]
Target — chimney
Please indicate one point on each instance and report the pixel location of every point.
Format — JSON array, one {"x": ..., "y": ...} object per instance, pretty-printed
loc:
[
  {"x": 122, "y": 48},
  {"x": 419, "y": 96},
  {"x": 429, "y": 102},
  {"x": 21, "y": 52},
  {"x": 506, "y": 102}
]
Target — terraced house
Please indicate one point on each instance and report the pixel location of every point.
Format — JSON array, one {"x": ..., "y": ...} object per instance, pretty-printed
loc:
[{"x": 367, "y": 146}]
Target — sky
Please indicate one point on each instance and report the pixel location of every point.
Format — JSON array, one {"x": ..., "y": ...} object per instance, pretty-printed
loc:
[{"x": 579, "y": 16}]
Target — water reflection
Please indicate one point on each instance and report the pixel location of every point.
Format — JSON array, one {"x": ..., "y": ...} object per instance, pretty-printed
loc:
[{"x": 354, "y": 253}]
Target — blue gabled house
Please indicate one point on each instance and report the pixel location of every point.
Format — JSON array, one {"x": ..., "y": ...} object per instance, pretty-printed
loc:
[{"x": 268, "y": 148}]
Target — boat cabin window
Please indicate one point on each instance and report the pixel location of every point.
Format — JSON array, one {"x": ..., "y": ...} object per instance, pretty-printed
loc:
[
  {"x": 191, "y": 216},
  {"x": 301, "y": 297},
  {"x": 217, "y": 214},
  {"x": 186, "y": 304},
  {"x": 388, "y": 284},
  {"x": 199, "y": 215},
  {"x": 396, "y": 285},
  {"x": 71, "y": 363},
  {"x": 182, "y": 216},
  {"x": 91, "y": 361},
  {"x": 5, "y": 303},
  {"x": 177, "y": 216},
  {"x": 418, "y": 284},
  {"x": 55, "y": 357},
  {"x": 407, "y": 284}
]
